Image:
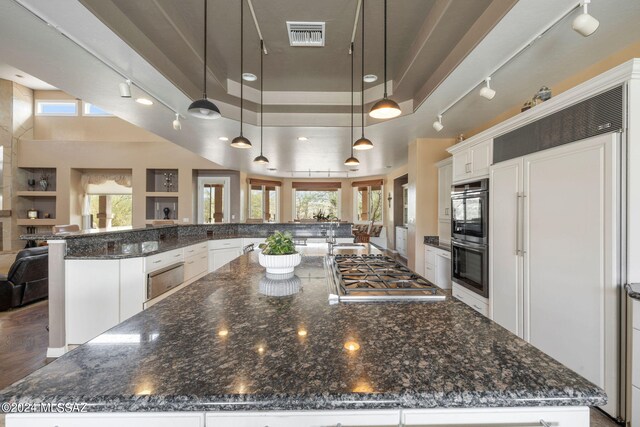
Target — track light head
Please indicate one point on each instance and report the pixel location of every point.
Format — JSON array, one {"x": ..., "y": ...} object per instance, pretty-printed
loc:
[
  {"x": 240, "y": 142},
  {"x": 176, "y": 122},
  {"x": 584, "y": 23},
  {"x": 437, "y": 125},
  {"x": 486, "y": 91},
  {"x": 351, "y": 161},
  {"x": 363, "y": 144},
  {"x": 125, "y": 89}
]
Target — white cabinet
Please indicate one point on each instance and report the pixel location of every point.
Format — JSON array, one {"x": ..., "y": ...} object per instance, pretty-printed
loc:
[
  {"x": 473, "y": 300},
  {"x": 163, "y": 259},
  {"x": 472, "y": 162},
  {"x": 133, "y": 287},
  {"x": 222, "y": 252},
  {"x": 445, "y": 179},
  {"x": 516, "y": 417},
  {"x": 92, "y": 298},
  {"x": 437, "y": 266},
  {"x": 183, "y": 419},
  {"x": 304, "y": 418},
  {"x": 634, "y": 350},
  {"x": 196, "y": 262},
  {"x": 553, "y": 246},
  {"x": 401, "y": 241}
]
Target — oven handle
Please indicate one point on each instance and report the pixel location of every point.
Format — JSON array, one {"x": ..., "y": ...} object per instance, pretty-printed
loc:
[{"x": 467, "y": 245}]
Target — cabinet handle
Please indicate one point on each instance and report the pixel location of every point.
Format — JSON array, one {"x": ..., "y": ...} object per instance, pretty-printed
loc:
[
  {"x": 177, "y": 256},
  {"x": 522, "y": 251},
  {"x": 158, "y": 261},
  {"x": 517, "y": 224},
  {"x": 543, "y": 423},
  {"x": 467, "y": 167},
  {"x": 204, "y": 257},
  {"x": 476, "y": 307}
]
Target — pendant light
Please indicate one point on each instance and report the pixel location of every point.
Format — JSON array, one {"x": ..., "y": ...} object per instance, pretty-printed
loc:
[
  {"x": 241, "y": 141},
  {"x": 261, "y": 159},
  {"x": 385, "y": 108},
  {"x": 363, "y": 143},
  {"x": 351, "y": 161},
  {"x": 203, "y": 108}
]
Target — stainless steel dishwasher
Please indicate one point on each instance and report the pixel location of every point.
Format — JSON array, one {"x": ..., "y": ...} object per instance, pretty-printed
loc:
[{"x": 165, "y": 279}]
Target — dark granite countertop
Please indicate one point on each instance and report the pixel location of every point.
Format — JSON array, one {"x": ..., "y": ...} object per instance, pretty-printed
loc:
[
  {"x": 633, "y": 290},
  {"x": 434, "y": 241},
  {"x": 176, "y": 356}
]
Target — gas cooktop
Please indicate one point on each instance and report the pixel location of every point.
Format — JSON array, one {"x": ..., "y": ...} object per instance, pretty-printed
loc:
[{"x": 377, "y": 278}]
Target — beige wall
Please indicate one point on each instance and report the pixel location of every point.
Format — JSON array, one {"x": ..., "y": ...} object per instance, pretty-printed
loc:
[
  {"x": 620, "y": 57},
  {"x": 389, "y": 220},
  {"x": 423, "y": 195}
]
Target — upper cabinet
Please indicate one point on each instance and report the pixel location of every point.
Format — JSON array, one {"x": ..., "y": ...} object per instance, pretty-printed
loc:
[{"x": 472, "y": 161}]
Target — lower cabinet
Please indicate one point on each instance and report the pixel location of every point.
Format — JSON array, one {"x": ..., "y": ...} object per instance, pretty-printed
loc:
[
  {"x": 478, "y": 303},
  {"x": 401, "y": 241},
  {"x": 506, "y": 417},
  {"x": 222, "y": 252},
  {"x": 437, "y": 266}
]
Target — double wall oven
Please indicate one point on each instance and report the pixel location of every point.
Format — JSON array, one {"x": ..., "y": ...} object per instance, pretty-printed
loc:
[{"x": 470, "y": 235}]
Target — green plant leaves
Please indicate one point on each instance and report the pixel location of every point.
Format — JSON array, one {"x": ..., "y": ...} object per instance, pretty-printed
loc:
[{"x": 279, "y": 244}]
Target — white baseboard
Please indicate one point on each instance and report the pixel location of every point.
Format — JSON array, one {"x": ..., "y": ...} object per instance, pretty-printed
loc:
[{"x": 53, "y": 352}]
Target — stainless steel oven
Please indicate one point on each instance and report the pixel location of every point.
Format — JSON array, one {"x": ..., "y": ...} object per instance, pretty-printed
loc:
[
  {"x": 470, "y": 209},
  {"x": 470, "y": 266},
  {"x": 165, "y": 279}
]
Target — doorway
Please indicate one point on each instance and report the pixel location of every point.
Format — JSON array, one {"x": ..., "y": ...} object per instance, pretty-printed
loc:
[{"x": 213, "y": 200}]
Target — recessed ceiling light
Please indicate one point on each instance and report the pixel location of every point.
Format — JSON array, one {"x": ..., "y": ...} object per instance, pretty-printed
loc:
[
  {"x": 223, "y": 138},
  {"x": 250, "y": 77},
  {"x": 303, "y": 138},
  {"x": 144, "y": 101},
  {"x": 370, "y": 78}
]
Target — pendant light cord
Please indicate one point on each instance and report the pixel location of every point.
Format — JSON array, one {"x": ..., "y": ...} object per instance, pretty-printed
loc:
[
  {"x": 362, "y": 92},
  {"x": 241, "y": 62},
  {"x": 261, "y": 90},
  {"x": 385, "y": 49},
  {"x": 352, "y": 55},
  {"x": 204, "y": 71}
]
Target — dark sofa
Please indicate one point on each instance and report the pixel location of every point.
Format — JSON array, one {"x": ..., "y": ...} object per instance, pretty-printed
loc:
[{"x": 27, "y": 280}]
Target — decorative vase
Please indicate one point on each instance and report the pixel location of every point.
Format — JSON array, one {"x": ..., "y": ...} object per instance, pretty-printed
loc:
[
  {"x": 44, "y": 184},
  {"x": 279, "y": 264}
]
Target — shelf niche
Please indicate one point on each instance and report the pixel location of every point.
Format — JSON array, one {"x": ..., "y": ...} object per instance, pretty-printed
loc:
[
  {"x": 162, "y": 180},
  {"x": 156, "y": 205}
]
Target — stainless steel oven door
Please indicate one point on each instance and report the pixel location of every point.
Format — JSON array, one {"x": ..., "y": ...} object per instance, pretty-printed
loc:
[
  {"x": 469, "y": 220},
  {"x": 470, "y": 266}
]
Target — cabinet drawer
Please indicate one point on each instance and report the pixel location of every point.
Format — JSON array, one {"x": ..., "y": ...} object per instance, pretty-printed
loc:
[
  {"x": 635, "y": 406},
  {"x": 164, "y": 259},
  {"x": 105, "y": 420},
  {"x": 225, "y": 244},
  {"x": 429, "y": 255},
  {"x": 516, "y": 417},
  {"x": 304, "y": 418},
  {"x": 195, "y": 265},
  {"x": 473, "y": 302},
  {"x": 430, "y": 273},
  {"x": 192, "y": 250},
  {"x": 635, "y": 304}
]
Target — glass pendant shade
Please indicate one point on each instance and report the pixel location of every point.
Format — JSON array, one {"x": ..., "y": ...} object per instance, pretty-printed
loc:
[
  {"x": 385, "y": 109},
  {"x": 240, "y": 142},
  {"x": 204, "y": 109},
  {"x": 363, "y": 144}
]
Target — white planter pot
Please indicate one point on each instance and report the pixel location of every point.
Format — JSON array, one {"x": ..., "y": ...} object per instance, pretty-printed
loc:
[{"x": 279, "y": 264}]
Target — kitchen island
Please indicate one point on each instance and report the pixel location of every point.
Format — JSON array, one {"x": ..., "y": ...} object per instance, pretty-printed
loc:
[{"x": 225, "y": 353}]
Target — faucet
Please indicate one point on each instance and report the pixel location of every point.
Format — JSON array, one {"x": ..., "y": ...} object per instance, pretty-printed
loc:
[{"x": 331, "y": 238}]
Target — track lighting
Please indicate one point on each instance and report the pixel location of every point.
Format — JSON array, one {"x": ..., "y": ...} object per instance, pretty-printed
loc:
[
  {"x": 203, "y": 108},
  {"x": 437, "y": 125},
  {"x": 584, "y": 23},
  {"x": 385, "y": 108},
  {"x": 125, "y": 89},
  {"x": 176, "y": 123},
  {"x": 487, "y": 92}
]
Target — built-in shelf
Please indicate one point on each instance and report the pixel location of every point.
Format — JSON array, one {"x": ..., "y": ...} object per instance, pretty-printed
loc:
[
  {"x": 156, "y": 205},
  {"x": 36, "y": 193},
  {"x": 37, "y": 222},
  {"x": 161, "y": 194},
  {"x": 162, "y": 181}
]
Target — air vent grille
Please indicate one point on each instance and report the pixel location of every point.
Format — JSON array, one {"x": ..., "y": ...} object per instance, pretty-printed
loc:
[
  {"x": 594, "y": 116},
  {"x": 308, "y": 34}
]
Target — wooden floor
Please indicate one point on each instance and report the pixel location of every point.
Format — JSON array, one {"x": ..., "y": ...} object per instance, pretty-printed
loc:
[{"x": 23, "y": 341}]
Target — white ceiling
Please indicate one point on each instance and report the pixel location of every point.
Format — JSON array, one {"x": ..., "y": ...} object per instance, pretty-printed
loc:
[
  {"x": 8, "y": 72},
  {"x": 29, "y": 44}
]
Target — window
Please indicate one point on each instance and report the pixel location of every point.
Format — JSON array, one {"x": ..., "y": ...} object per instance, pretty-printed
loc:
[
  {"x": 368, "y": 201},
  {"x": 264, "y": 200},
  {"x": 214, "y": 199},
  {"x": 110, "y": 210},
  {"x": 314, "y": 198},
  {"x": 92, "y": 110},
  {"x": 56, "y": 108}
]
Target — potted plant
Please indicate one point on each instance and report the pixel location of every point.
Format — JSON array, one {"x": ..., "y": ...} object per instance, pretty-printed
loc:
[{"x": 278, "y": 255}]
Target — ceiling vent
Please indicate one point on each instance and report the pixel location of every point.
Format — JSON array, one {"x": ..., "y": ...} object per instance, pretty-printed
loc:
[{"x": 309, "y": 34}]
